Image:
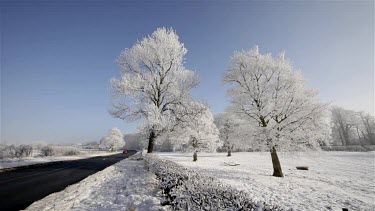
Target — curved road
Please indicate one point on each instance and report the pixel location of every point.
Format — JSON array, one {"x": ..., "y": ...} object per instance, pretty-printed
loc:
[{"x": 21, "y": 187}]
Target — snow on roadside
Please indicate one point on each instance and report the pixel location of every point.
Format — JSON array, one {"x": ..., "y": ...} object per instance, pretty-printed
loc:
[
  {"x": 122, "y": 186},
  {"x": 16, "y": 162},
  {"x": 335, "y": 180}
]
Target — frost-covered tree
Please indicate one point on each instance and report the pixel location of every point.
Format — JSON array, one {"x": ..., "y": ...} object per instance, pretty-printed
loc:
[
  {"x": 154, "y": 85},
  {"x": 231, "y": 130},
  {"x": 114, "y": 140},
  {"x": 342, "y": 124},
  {"x": 349, "y": 127},
  {"x": 196, "y": 133},
  {"x": 367, "y": 127},
  {"x": 135, "y": 141},
  {"x": 272, "y": 96}
]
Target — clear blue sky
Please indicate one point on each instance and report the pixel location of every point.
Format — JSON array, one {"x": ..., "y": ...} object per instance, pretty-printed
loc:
[{"x": 57, "y": 57}]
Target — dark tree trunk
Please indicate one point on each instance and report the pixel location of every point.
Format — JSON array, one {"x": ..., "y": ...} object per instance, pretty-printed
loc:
[
  {"x": 229, "y": 152},
  {"x": 151, "y": 142},
  {"x": 277, "y": 172},
  {"x": 342, "y": 137},
  {"x": 195, "y": 156}
]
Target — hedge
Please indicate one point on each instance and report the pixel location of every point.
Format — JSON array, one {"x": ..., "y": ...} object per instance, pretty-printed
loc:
[
  {"x": 351, "y": 148},
  {"x": 186, "y": 189}
]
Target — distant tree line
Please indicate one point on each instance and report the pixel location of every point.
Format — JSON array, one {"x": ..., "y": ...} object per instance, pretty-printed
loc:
[
  {"x": 13, "y": 151},
  {"x": 351, "y": 127},
  {"x": 28, "y": 150}
]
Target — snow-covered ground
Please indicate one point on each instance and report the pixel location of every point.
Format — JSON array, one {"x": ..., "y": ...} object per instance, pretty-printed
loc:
[
  {"x": 122, "y": 186},
  {"x": 15, "y": 162},
  {"x": 334, "y": 181}
]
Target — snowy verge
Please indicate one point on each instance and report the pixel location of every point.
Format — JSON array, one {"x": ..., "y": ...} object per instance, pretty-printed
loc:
[
  {"x": 335, "y": 180},
  {"x": 9, "y": 163},
  {"x": 125, "y": 185},
  {"x": 186, "y": 189}
]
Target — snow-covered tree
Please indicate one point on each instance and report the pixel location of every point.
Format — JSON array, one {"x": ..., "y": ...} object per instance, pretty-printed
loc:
[
  {"x": 231, "y": 130},
  {"x": 196, "y": 133},
  {"x": 272, "y": 96},
  {"x": 367, "y": 127},
  {"x": 349, "y": 127},
  {"x": 114, "y": 140},
  {"x": 135, "y": 141},
  {"x": 342, "y": 124},
  {"x": 154, "y": 85}
]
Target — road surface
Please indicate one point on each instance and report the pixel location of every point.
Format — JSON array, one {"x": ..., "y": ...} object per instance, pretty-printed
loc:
[{"x": 20, "y": 188}]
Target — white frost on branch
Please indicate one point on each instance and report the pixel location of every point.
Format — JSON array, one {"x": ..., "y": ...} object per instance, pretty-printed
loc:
[
  {"x": 233, "y": 131},
  {"x": 198, "y": 133},
  {"x": 273, "y": 97},
  {"x": 154, "y": 85},
  {"x": 351, "y": 127}
]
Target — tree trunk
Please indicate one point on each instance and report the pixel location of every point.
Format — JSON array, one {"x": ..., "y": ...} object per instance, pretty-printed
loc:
[
  {"x": 151, "y": 141},
  {"x": 277, "y": 172},
  {"x": 229, "y": 152},
  {"x": 195, "y": 156},
  {"x": 341, "y": 138}
]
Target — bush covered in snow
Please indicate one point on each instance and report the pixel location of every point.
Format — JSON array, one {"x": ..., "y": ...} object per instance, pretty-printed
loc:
[
  {"x": 369, "y": 147},
  {"x": 47, "y": 151},
  {"x": 24, "y": 151},
  {"x": 67, "y": 151},
  {"x": 189, "y": 190},
  {"x": 7, "y": 151},
  {"x": 59, "y": 151},
  {"x": 13, "y": 151}
]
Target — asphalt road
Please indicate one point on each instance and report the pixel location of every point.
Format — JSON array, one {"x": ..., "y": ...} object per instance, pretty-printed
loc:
[{"x": 21, "y": 187}]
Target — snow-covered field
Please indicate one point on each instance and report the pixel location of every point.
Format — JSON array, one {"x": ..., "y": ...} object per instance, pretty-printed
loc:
[
  {"x": 334, "y": 181},
  {"x": 15, "y": 162},
  {"x": 122, "y": 186}
]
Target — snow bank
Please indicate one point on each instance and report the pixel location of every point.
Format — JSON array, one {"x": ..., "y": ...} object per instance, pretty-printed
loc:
[
  {"x": 335, "y": 180},
  {"x": 122, "y": 186}
]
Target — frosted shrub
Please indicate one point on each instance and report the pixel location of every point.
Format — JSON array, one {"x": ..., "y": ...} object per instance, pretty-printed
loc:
[
  {"x": 186, "y": 189},
  {"x": 369, "y": 147},
  {"x": 12, "y": 151},
  {"x": 65, "y": 150},
  {"x": 2, "y": 151},
  {"x": 72, "y": 151},
  {"x": 23, "y": 151},
  {"x": 352, "y": 148},
  {"x": 47, "y": 151},
  {"x": 7, "y": 151},
  {"x": 355, "y": 149}
]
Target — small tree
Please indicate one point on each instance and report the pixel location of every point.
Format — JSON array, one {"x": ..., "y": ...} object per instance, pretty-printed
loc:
[
  {"x": 113, "y": 140},
  {"x": 231, "y": 131},
  {"x": 198, "y": 133},
  {"x": 154, "y": 84},
  {"x": 272, "y": 96}
]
